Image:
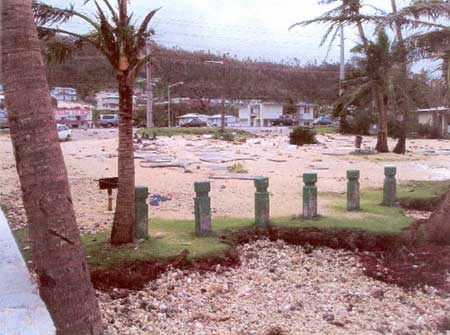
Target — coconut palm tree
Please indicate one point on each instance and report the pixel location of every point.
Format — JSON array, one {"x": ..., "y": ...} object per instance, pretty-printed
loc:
[
  {"x": 348, "y": 13},
  {"x": 57, "y": 254},
  {"x": 369, "y": 83},
  {"x": 123, "y": 43}
]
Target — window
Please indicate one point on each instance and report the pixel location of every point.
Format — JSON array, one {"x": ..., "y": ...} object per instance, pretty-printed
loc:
[{"x": 2, "y": 114}]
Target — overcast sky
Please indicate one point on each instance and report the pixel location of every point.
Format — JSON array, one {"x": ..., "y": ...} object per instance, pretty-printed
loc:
[{"x": 246, "y": 28}]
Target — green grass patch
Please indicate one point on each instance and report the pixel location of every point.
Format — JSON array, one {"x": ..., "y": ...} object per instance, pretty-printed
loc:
[
  {"x": 325, "y": 130},
  {"x": 170, "y": 237},
  {"x": 422, "y": 189},
  {"x": 236, "y": 133},
  {"x": 372, "y": 218}
]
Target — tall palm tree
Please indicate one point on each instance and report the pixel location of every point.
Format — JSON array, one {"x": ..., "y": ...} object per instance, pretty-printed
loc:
[
  {"x": 348, "y": 12},
  {"x": 123, "y": 43},
  {"x": 57, "y": 254},
  {"x": 369, "y": 83}
]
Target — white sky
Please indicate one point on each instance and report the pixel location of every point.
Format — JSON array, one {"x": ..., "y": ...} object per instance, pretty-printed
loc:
[{"x": 244, "y": 28}]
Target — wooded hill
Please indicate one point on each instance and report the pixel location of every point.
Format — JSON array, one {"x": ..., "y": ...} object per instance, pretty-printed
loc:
[{"x": 88, "y": 71}]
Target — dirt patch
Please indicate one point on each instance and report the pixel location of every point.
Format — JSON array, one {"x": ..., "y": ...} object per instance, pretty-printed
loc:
[
  {"x": 411, "y": 267},
  {"x": 134, "y": 275},
  {"x": 425, "y": 205},
  {"x": 390, "y": 258}
]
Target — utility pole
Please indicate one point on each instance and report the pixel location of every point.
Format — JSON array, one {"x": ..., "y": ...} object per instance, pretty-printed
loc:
[
  {"x": 169, "y": 116},
  {"x": 149, "y": 88},
  {"x": 342, "y": 67}
]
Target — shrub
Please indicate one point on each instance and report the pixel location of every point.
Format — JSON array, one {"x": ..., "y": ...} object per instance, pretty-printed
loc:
[
  {"x": 237, "y": 168},
  {"x": 302, "y": 135},
  {"x": 224, "y": 136}
]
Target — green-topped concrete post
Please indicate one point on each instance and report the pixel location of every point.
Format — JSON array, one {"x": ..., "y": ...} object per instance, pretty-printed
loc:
[
  {"x": 353, "y": 190},
  {"x": 390, "y": 186},
  {"x": 309, "y": 195},
  {"x": 262, "y": 202},
  {"x": 141, "y": 213},
  {"x": 202, "y": 204}
]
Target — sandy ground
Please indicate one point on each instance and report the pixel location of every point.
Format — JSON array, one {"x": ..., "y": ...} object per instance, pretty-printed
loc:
[{"x": 93, "y": 154}]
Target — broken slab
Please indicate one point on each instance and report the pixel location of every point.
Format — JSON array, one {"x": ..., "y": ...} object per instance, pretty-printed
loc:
[
  {"x": 223, "y": 159},
  {"x": 235, "y": 176},
  {"x": 176, "y": 163}
]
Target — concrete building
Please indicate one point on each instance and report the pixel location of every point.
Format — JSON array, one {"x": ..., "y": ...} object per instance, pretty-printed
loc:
[
  {"x": 64, "y": 93},
  {"x": 107, "y": 101},
  {"x": 216, "y": 120},
  {"x": 260, "y": 114},
  {"x": 306, "y": 114},
  {"x": 75, "y": 114},
  {"x": 435, "y": 117}
]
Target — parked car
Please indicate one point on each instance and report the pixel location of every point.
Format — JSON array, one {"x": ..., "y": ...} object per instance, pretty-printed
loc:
[
  {"x": 325, "y": 120},
  {"x": 64, "y": 132},
  {"x": 108, "y": 120},
  {"x": 283, "y": 120},
  {"x": 3, "y": 120},
  {"x": 195, "y": 123}
]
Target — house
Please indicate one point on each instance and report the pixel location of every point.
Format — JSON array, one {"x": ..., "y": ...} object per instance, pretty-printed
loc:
[
  {"x": 216, "y": 120},
  {"x": 260, "y": 114},
  {"x": 183, "y": 119},
  {"x": 306, "y": 114},
  {"x": 435, "y": 117},
  {"x": 64, "y": 93},
  {"x": 74, "y": 114},
  {"x": 107, "y": 101}
]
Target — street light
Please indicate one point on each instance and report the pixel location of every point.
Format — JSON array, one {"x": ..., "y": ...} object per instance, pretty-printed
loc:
[
  {"x": 222, "y": 114},
  {"x": 169, "y": 123}
]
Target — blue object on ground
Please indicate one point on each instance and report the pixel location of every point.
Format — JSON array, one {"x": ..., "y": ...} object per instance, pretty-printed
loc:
[{"x": 155, "y": 199}]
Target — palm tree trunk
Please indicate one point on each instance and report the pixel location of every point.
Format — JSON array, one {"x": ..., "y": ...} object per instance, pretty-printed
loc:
[
  {"x": 382, "y": 141},
  {"x": 400, "y": 147},
  {"x": 124, "y": 217},
  {"x": 57, "y": 254},
  {"x": 438, "y": 225}
]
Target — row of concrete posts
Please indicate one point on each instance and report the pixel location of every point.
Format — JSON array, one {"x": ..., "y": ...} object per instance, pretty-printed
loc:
[{"x": 202, "y": 201}]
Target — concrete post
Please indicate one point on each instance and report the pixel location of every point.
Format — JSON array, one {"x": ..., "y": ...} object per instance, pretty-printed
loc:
[
  {"x": 353, "y": 190},
  {"x": 262, "y": 202},
  {"x": 141, "y": 213},
  {"x": 202, "y": 205},
  {"x": 390, "y": 186},
  {"x": 309, "y": 195}
]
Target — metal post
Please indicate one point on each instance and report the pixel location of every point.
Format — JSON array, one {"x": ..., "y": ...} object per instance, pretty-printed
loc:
[
  {"x": 149, "y": 89},
  {"x": 110, "y": 199},
  {"x": 168, "y": 107}
]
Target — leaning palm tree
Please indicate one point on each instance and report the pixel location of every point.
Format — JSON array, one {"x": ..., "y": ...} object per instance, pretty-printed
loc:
[
  {"x": 123, "y": 43},
  {"x": 348, "y": 13},
  {"x": 57, "y": 253}
]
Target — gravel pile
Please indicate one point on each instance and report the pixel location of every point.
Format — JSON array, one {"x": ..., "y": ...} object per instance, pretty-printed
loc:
[{"x": 278, "y": 289}]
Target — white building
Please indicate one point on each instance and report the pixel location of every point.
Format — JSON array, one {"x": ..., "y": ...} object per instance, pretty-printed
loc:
[
  {"x": 75, "y": 114},
  {"x": 306, "y": 114},
  {"x": 216, "y": 120},
  {"x": 64, "y": 93},
  {"x": 435, "y": 117},
  {"x": 107, "y": 101},
  {"x": 260, "y": 114}
]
